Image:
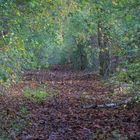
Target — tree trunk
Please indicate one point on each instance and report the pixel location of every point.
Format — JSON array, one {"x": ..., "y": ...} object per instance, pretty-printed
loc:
[{"x": 104, "y": 57}]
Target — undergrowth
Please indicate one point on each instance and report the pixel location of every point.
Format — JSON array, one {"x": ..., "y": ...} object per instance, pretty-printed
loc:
[{"x": 37, "y": 94}]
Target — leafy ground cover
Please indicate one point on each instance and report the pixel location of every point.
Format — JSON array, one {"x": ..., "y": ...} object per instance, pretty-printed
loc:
[
  {"x": 37, "y": 94},
  {"x": 60, "y": 115}
]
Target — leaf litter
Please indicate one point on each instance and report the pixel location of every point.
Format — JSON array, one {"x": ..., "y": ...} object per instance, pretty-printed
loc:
[{"x": 61, "y": 116}]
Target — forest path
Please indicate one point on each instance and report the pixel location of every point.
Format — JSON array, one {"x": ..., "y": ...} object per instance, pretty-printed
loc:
[{"x": 61, "y": 117}]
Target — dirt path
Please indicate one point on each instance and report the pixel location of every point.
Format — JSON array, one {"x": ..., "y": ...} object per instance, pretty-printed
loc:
[{"x": 62, "y": 117}]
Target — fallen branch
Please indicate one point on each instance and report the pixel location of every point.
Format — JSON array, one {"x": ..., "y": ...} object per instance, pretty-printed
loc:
[{"x": 109, "y": 105}]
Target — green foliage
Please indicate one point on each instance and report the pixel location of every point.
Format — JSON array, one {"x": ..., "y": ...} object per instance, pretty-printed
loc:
[
  {"x": 4, "y": 137},
  {"x": 21, "y": 41},
  {"x": 17, "y": 126},
  {"x": 122, "y": 76},
  {"x": 34, "y": 34},
  {"x": 38, "y": 94},
  {"x": 24, "y": 110}
]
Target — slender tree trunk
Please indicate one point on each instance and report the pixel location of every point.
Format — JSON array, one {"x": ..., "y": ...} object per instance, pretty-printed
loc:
[
  {"x": 104, "y": 58},
  {"x": 82, "y": 56}
]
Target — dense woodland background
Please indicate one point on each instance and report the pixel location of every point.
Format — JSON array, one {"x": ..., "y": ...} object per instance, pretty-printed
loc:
[
  {"x": 101, "y": 36},
  {"x": 71, "y": 44}
]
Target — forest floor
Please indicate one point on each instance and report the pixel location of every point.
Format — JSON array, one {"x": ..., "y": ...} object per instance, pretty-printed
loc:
[{"x": 61, "y": 115}]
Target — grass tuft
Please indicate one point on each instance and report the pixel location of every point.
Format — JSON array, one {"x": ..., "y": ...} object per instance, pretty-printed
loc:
[{"x": 38, "y": 94}]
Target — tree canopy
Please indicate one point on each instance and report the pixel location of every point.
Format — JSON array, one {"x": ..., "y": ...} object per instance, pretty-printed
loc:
[{"x": 89, "y": 34}]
